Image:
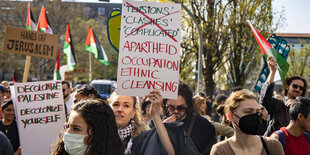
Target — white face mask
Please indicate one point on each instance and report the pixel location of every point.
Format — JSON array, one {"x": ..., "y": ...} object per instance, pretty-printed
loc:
[{"x": 74, "y": 143}]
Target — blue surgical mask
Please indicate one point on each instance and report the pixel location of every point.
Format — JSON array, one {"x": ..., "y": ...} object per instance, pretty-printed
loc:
[{"x": 74, "y": 143}]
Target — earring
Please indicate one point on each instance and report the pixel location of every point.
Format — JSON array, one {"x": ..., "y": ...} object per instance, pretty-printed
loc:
[
  {"x": 229, "y": 115},
  {"x": 132, "y": 121}
]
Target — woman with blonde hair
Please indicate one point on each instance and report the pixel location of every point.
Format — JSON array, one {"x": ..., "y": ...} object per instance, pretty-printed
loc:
[
  {"x": 220, "y": 129},
  {"x": 242, "y": 109},
  {"x": 128, "y": 118},
  {"x": 200, "y": 105},
  {"x": 129, "y": 122}
]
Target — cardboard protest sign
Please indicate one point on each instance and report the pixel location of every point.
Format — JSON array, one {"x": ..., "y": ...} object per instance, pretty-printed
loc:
[
  {"x": 31, "y": 43},
  {"x": 40, "y": 114},
  {"x": 149, "y": 50}
]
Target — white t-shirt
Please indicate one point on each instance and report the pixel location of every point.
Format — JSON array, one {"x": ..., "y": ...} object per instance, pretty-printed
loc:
[{"x": 69, "y": 104}]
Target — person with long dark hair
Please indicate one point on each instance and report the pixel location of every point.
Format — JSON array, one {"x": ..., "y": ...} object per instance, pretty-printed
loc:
[
  {"x": 90, "y": 130},
  {"x": 293, "y": 87},
  {"x": 182, "y": 110},
  {"x": 84, "y": 93}
]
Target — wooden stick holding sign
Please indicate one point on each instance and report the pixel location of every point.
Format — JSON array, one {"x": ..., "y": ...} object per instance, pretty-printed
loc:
[
  {"x": 27, "y": 65},
  {"x": 30, "y": 43}
]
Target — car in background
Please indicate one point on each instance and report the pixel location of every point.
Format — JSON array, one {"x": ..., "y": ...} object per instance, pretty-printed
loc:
[{"x": 104, "y": 87}]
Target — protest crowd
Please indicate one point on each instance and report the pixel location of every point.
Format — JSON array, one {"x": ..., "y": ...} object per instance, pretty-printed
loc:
[
  {"x": 78, "y": 120},
  {"x": 242, "y": 122}
]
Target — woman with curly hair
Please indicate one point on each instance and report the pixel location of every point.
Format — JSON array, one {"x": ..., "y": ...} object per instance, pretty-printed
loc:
[{"x": 90, "y": 130}]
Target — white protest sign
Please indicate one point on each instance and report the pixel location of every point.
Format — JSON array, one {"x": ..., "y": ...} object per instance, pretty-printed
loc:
[
  {"x": 40, "y": 113},
  {"x": 149, "y": 51}
]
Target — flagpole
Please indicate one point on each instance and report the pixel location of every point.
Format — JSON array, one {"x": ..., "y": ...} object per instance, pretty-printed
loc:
[
  {"x": 26, "y": 71},
  {"x": 89, "y": 67},
  {"x": 103, "y": 72},
  {"x": 260, "y": 73}
]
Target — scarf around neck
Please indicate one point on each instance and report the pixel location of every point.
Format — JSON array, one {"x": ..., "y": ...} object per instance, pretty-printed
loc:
[{"x": 123, "y": 133}]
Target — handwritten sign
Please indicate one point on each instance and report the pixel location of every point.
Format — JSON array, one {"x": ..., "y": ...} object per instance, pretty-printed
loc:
[
  {"x": 40, "y": 113},
  {"x": 149, "y": 50},
  {"x": 32, "y": 43}
]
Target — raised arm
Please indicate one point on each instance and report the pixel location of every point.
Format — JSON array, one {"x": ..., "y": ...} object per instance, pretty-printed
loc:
[
  {"x": 267, "y": 90},
  {"x": 156, "y": 101},
  {"x": 272, "y": 65}
]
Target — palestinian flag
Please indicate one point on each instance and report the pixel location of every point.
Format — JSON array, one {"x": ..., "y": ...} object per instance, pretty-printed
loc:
[
  {"x": 69, "y": 50},
  {"x": 268, "y": 50},
  {"x": 93, "y": 45},
  {"x": 30, "y": 23},
  {"x": 43, "y": 24},
  {"x": 57, "y": 67}
]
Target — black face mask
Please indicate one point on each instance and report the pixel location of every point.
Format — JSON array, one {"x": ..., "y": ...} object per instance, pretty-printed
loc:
[{"x": 250, "y": 124}]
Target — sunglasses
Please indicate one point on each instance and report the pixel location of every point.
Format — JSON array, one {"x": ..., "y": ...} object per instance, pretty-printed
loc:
[
  {"x": 296, "y": 86},
  {"x": 179, "y": 108}
]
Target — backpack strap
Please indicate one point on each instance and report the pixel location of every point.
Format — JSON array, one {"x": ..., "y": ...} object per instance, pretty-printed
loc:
[
  {"x": 307, "y": 135},
  {"x": 281, "y": 138},
  {"x": 190, "y": 127},
  {"x": 264, "y": 145}
]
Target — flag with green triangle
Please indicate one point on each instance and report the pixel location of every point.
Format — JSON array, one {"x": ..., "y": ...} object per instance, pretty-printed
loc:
[
  {"x": 281, "y": 46},
  {"x": 30, "y": 23},
  {"x": 268, "y": 50},
  {"x": 93, "y": 45},
  {"x": 57, "y": 67},
  {"x": 69, "y": 50},
  {"x": 43, "y": 23}
]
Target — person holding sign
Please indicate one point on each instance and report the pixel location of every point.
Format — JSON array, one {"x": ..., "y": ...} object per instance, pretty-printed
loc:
[
  {"x": 182, "y": 110},
  {"x": 8, "y": 125},
  {"x": 156, "y": 103},
  {"x": 90, "y": 130}
]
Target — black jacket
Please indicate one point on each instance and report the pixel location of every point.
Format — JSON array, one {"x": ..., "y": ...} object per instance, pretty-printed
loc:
[
  {"x": 201, "y": 139},
  {"x": 279, "y": 113},
  {"x": 12, "y": 134},
  {"x": 202, "y": 134}
]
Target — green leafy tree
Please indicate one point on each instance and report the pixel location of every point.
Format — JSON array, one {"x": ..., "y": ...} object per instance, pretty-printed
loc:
[
  {"x": 59, "y": 14},
  {"x": 211, "y": 17},
  {"x": 15, "y": 15},
  {"x": 244, "y": 54},
  {"x": 229, "y": 48},
  {"x": 299, "y": 61}
]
